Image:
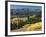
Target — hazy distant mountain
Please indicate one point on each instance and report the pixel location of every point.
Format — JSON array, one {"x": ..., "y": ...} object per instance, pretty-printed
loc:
[{"x": 25, "y": 12}]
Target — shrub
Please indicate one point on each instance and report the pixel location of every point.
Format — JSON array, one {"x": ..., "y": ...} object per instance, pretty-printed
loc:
[{"x": 15, "y": 25}]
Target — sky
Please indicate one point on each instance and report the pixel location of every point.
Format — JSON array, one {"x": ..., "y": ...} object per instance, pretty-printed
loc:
[{"x": 25, "y": 6}]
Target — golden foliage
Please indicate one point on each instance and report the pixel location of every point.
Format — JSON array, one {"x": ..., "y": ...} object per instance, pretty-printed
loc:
[{"x": 32, "y": 27}]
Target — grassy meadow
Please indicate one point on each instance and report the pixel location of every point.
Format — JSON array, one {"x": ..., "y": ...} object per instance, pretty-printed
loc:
[{"x": 26, "y": 23}]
